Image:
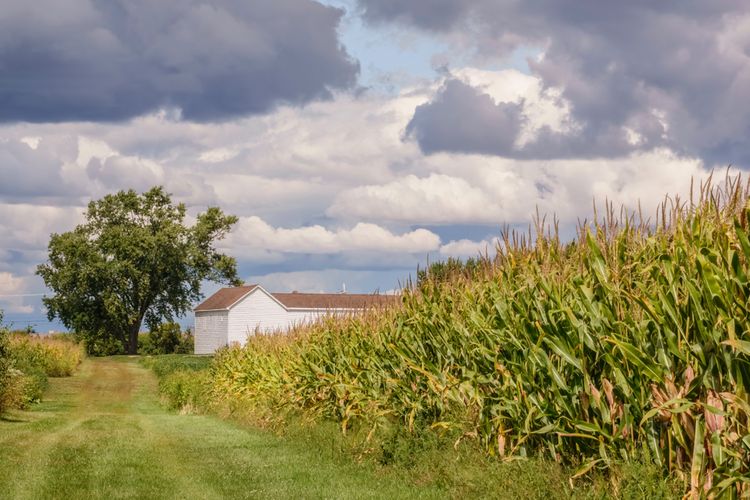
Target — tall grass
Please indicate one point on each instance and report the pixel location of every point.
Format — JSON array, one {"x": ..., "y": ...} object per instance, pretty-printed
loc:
[
  {"x": 56, "y": 355},
  {"x": 183, "y": 380},
  {"x": 631, "y": 342},
  {"x": 6, "y": 375},
  {"x": 27, "y": 362},
  {"x": 166, "y": 364}
]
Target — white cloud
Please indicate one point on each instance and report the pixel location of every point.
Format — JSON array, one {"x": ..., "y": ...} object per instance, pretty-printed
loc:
[
  {"x": 117, "y": 171},
  {"x": 27, "y": 227},
  {"x": 437, "y": 198},
  {"x": 542, "y": 107},
  {"x": 473, "y": 189},
  {"x": 32, "y": 142},
  {"x": 218, "y": 155},
  {"x": 326, "y": 280},
  {"x": 89, "y": 149},
  {"x": 12, "y": 290},
  {"x": 646, "y": 178},
  {"x": 10, "y": 284},
  {"x": 467, "y": 248},
  {"x": 282, "y": 166},
  {"x": 253, "y": 234}
]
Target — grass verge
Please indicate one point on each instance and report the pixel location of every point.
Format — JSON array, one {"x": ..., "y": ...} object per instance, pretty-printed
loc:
[
  {"x": 104, "y": 434},
  {"x": 458, "y": 468}
]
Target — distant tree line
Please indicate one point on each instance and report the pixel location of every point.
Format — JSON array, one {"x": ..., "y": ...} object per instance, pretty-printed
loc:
[{"x": 451, "y": 269}]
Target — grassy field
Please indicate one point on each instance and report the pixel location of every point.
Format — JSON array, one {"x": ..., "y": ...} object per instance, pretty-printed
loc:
[{"x": 103, "y": 434}]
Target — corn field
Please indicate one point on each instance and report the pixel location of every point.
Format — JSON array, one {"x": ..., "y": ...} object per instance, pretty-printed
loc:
[{"x": 631, "y": 342}]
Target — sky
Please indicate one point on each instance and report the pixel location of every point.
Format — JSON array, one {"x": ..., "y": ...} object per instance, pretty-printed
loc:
[{"x": 358, "y": 139}]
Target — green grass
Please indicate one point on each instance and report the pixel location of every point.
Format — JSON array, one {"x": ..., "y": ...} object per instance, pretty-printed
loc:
[
  {"x": 463, "y": 471},
  {"x": 103, "y": 434},
  {"x": 168, "y": 363}
]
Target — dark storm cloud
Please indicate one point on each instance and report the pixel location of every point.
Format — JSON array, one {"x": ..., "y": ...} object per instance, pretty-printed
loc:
[
  {"x": 435, "y": 15},
  {"x": 461, "y": 118},
  {"x": 464, "y": 119},
  {"x": 115, "y": 59},
  {"x": 620, "y": 64}
]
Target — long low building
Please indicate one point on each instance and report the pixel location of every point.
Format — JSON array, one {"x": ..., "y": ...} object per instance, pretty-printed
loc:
[{"x": 232, "y": 314}]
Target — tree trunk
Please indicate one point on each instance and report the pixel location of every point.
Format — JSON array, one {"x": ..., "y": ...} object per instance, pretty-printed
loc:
[{"x": 133, "y": 338}]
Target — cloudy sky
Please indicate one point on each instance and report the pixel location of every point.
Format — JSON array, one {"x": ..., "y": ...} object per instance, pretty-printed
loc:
[{"x": 358, "y": 138}]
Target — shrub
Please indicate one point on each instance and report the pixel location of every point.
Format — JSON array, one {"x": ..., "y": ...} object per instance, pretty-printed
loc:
[
  {"x": 27, "y": 386},
  {"x": 13, "y": 391},
  {"x": 167, "y": 338},
  {"x": 187, "y": 343},
  {"x": 100, "y": 345},
  {"x": 145, "y": 345}
]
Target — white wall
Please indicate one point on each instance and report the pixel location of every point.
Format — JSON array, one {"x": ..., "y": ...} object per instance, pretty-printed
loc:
[
  {"x": 260, "y": 311},
  {"x": 256, "y": 310},
  {"x": 210, "y": 331},
  {"x": 302, "y": 316}
]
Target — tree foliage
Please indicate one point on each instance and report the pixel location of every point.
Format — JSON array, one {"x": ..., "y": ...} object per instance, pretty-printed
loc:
[
  {"x": 450, "y": 270},
  {"x": 133, "y": 260},
  {"x": 167, "y": 338}
]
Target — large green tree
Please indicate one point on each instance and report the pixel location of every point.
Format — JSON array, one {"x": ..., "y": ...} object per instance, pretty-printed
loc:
[{"x": 134, "y": 259}]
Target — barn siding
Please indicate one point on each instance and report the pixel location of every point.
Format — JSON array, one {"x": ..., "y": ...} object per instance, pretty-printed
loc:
[
  {"x": 256, "y": 310},
  {"x": 260, "y": 311},
  {"x": 210, "y": 331},
  {"x": 302, "y": 316}
]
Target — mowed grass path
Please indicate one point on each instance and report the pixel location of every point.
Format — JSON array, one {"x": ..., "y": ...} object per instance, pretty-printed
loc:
[{"x": 103, "y": 434}]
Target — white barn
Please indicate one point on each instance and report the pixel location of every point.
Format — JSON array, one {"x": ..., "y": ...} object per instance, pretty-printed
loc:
[{"x": 231, "y": 314}]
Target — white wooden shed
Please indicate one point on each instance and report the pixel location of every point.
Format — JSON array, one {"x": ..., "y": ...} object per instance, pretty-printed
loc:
[{"x": 231, "y": 314}]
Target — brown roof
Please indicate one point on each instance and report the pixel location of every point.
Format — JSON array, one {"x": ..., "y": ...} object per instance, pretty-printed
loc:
[
  {"x": 227, "y": 297},
  {"x": 224, "y": 298},
  {"x": 333, "y": 300}
]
